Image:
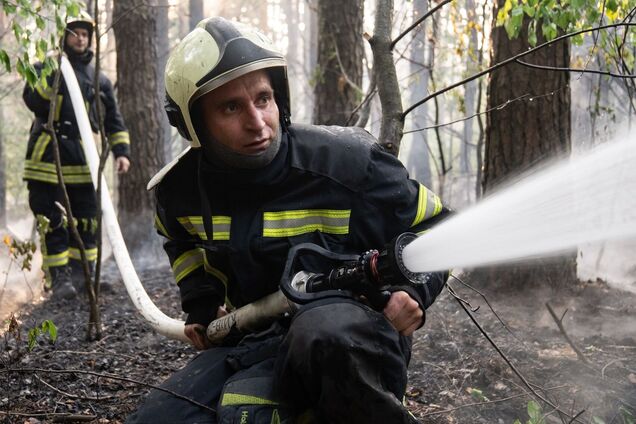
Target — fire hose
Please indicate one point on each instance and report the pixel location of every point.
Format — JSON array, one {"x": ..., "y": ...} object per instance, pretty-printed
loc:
[
  {"x": 368, "y": 276},
  {"x": 159, "y": 321}
]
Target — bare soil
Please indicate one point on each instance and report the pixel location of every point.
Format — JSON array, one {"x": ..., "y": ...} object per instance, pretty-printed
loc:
[{"x": 456, "y": 375}]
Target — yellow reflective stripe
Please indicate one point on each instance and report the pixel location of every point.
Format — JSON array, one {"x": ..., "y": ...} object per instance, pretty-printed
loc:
[
  {"x": 292, "y": 223},
  {"x": 91, "y": 254},
  {"x": 219, "y": 275},
  {"x": 120, "y": 137},
  {"x": 428, "y": 205},
  {"x": 194, "y": 226},
  {"x": 40, "y": 146},
  {"x": 44, "y": 171},
  {"x": 58, "y": 107},
  {"x": 160, "y": 227},
  {"x": 240, "y": 399},
  {"x": 187, "y": 263},
  {"x": 40, "y": 176},
  {"x": 59, "y": 259}
]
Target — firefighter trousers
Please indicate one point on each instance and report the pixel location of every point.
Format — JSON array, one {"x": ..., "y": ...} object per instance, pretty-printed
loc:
[
  {"x": 338, "y": 361},
  {"x": 57, "y": 245}
]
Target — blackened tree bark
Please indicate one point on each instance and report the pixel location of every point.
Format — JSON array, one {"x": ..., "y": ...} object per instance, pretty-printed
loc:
[
  {"x": 338, "y": 76},
  {"x": 141, "y": 31},
  {"x": 527, "y": 132}
]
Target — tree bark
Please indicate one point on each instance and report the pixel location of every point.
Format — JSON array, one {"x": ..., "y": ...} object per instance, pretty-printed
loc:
[
  {"x": 527, "y": 132},
  {"x": 141, "y": 31},
  {"x": 340, "y": 53},
  {"x": 418, "y": 159}
]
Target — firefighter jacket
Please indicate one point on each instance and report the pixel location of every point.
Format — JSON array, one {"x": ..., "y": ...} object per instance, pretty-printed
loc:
[
  {"x": 40, "y": 164},
  {"x": 228, "y": 231}
]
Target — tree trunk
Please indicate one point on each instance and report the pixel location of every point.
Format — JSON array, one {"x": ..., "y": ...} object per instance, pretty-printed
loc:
[
  {"x": 3, "y": 179},
  {"x": 470, "y": 92},
  {"x": 418, "y": 159},
  {"x": 141, "y": 31},
  {"x": 196, "y": 12},
  {"x": 526, "y": 132},
  {"x": 340, "y": 54}
]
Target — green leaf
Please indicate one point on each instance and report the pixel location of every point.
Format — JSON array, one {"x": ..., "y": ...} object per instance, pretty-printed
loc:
[
  {"x": 9, "y": 9},
  {"x": 73, "y": 9},
  {"x": 612, "y": 5},
  {"x": 6, "y": 61},
  {"x": 39, "y": 22},
  {"x": 49, "y": 327},
  {"x": 597, "y": 420},
  {"x": 534, "y": 411},
  {"x": 33, "y": 335},
  {"x": 529, "y": 10},
  {"x": 532, "y": 33},
  {"x": 577, "y": 4}
]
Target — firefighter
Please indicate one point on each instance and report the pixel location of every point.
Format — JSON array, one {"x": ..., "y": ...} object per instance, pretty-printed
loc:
[
  {"x": 60, "y": 253},
  {"x": 251, "y": 186}
]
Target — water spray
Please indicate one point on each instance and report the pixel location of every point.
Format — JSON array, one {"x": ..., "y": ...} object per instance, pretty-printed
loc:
[
  {"x": 586, "y": 199},
  {"x": 163, "y": 324}
]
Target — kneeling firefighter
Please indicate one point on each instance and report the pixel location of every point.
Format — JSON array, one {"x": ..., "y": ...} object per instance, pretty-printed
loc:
[{"x": 250, "y": 188}]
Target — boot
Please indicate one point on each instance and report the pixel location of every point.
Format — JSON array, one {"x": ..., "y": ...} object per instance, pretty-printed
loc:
[{"x": 61, "y": 283}]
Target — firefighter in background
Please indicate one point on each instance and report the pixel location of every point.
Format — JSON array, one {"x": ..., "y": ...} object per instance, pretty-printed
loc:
[
  {"x": 251, "y": 186},
  {"x": 61, "y": 256}
]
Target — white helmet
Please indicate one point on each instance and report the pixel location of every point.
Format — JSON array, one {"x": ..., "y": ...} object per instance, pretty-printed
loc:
[{"x": 215, "y": 52}]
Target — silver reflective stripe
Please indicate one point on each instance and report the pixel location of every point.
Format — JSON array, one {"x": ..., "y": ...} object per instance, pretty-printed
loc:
[
  {"x": 194, "y": 226},
  {"x": 292, "y": 223},
  {"x": 187, "y": 263},
  {"x": 428, "y": 205}
]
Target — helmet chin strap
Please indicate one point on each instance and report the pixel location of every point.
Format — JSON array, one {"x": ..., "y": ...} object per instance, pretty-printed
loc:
[{"x": 219, "y": 154}]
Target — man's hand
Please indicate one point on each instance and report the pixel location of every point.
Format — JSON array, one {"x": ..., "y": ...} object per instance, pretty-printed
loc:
[
  {"x": 404, "y": 313},
  {"x": 197, "y": 332},
  {"x": 122, "y": 164}
]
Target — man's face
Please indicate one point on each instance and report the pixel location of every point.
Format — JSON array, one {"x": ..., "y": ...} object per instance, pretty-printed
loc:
[
  {"x": 78, "y": 39},
  {"x": 242, "y": 114}
]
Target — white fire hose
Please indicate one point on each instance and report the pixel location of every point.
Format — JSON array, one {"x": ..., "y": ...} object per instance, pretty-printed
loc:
[{"x": 159, "y": 321}]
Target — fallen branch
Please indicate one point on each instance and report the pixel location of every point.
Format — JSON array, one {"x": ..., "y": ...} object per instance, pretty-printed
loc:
[{"x": 559, "y": 323}]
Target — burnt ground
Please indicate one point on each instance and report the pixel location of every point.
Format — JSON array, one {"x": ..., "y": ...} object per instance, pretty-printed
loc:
[{"x": 456, "y": 376}]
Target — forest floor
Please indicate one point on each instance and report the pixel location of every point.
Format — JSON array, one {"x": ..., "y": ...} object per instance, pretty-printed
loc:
[{"x": 456, "y": 375}]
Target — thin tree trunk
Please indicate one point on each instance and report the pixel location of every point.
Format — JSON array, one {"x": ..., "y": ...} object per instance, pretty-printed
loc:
[
  {"x": 418, "y": 159},
  {"x": 196, "y": 12},
  {"x": 3, "y": 178}
]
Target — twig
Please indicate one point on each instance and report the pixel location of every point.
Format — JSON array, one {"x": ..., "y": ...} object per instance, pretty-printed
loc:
[
  {"x": 70, "y": 395},
  {"x": 610, "y": 363},
  {"x": 468, "y": 405},
  {"x": 512, "y": 59},
  {"x": 56, "y": 416},
  {"x": 417, "y": 22},
  {"x": 505, "y": 358},
  {"x": 559, "y": 323},
  {"x": 581, "y": 70},
  {"x": 112, "y": 377}
]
